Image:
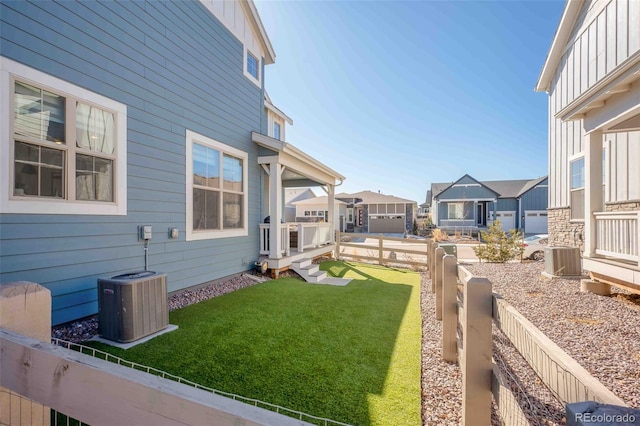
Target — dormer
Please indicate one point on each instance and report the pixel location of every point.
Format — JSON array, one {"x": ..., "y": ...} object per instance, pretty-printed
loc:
[{"x": 276, "y": 120}]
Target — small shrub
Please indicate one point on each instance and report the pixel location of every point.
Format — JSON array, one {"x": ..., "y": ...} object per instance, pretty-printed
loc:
[
  {"x": 440, "y": 235},
  {"x": 499, "y": 246}
]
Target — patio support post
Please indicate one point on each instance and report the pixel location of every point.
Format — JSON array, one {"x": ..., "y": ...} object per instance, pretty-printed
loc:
[
  {"x": 275, "y": 210},
  {"x": 592, "y": 188},
  {"x": 331, "y": 190}
]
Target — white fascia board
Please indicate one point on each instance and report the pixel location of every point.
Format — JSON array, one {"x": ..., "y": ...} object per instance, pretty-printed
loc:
[
  {"x": 277, "y": 111},
  {"x": 256, "y": 22},
  {"x": 295, "y": 153},
  {"x": 560, "y": 39}
]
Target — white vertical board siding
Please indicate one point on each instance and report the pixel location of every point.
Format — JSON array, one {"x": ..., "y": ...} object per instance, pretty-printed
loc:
[
  {"x": 624, "y": 176},
  {"x": 232, "y": 16},
  {"x": 634, "y": 26},
  {"x": 621, "y": 19},
  {"x": 606, "y": 33},
  {"x": 634, "y": 170}
]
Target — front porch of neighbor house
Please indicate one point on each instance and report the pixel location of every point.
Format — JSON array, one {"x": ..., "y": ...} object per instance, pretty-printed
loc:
[
  {"x": 285, "y": 166},
  {"x": 612, "y": 211}
]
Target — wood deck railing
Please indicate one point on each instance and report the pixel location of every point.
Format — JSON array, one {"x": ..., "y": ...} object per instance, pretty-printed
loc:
[
  {"x": 265, "y": 239},
  {"x": 310, "y": 235},
  {"x": 618, "y": 235}
]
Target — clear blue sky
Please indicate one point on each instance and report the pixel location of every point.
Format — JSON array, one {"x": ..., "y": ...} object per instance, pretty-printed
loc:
[{"x": 395, "y": 95}]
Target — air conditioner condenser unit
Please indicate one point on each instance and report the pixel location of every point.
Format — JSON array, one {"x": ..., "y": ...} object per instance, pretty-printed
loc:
[{"x": 132, "y": 306}]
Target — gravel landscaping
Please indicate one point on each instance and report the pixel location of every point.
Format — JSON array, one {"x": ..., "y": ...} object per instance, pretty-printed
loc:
[{"x": 601, "y": 333}]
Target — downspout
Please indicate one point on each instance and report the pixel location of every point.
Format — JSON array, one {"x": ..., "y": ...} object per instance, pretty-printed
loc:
[{"x": 520, "y": 215}]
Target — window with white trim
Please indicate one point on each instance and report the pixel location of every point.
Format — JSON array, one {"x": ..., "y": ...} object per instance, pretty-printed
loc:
[
  {"x": 576, "y": 169},
  {"x": 455, "y": 211},
  {"x": 66, "y": 147},
  {"x": 216, "y": 189},
  {"x": 252, "y": 67},
  {"x": 276, "y": 130}
]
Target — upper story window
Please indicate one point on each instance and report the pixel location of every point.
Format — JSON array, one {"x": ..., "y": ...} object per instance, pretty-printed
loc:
[
  {"x": 216, "y": 189},
  {"x": 276, "y": 131},
  {"x": 252, "y": 67},
  {"x": 66, "y": 147},
  {"x": 576, "y": 169}
]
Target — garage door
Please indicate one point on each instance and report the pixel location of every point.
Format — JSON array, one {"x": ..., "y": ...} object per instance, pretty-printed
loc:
[
  {"x": 507, "y": 219},
  {"x": 386, "y": 224},
  {"x": 535, "y": 222}
]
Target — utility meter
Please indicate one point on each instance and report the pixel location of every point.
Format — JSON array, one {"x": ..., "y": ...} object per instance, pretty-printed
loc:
[{"x": 145, "y": 232}]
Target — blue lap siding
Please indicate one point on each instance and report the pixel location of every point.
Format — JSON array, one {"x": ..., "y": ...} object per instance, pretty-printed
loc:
[{"x": 175, "y": 67}]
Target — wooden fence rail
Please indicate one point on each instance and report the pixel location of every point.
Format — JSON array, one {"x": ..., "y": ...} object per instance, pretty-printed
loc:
[
  {"x": 36, "y": 375},
  {"x": 379, "y": 252},
  {"x": 99, "y": 392},
  {"x": 468, "y": 309}
]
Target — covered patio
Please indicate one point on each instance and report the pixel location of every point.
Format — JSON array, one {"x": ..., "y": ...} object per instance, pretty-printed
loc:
[
  {"x": 612, "y": 210},
  {"x": 285, "y": 166}
]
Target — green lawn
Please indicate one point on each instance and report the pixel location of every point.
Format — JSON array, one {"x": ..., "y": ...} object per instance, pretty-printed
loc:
[{"x": 350, "y": 353}]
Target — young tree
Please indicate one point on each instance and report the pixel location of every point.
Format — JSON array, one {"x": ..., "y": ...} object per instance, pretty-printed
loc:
[{"x": 499, "y": 246}]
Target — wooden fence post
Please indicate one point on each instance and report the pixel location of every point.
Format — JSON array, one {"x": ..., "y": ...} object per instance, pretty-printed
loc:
[
  {"x": 432, "y": 264},
  {"x": 438, "y": 279},
  {"x": 449, "y": 308},
  {"x": 477, "y": 346},
  {"x": 25, "y": 308},
  {"x": 380, "y": 250}
]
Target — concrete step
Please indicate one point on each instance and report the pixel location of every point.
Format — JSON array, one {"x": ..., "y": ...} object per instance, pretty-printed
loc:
[
  {"x": 316, "y": 277},
  {"x": 301, "y": 263},
  {"x": 312, "y": 274}
]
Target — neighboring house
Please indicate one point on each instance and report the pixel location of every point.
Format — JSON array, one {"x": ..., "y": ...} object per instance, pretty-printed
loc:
[
  {"x": 317, "y": 210},
  {"x": 425, "y": 208},
  {"x": 469, "y": 203},
  {"x": 592, "y": 77},
  {"x": 374, "y": 212},
  {"x": 121, "y": 114},
  {"x": 291, "y": 195}
]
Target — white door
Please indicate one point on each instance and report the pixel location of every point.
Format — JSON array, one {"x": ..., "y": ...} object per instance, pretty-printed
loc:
[
  {"x": 507, "y": 219},
  {"x": 535, "y": 222}
]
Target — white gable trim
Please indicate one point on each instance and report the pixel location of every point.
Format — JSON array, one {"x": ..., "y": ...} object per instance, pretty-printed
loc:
[{"x": 563, "y": 33}]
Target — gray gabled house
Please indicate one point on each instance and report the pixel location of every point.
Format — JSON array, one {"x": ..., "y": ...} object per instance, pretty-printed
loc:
[
  {"x": 471, "y": 204},
  {"x": 116, "y": 115}
]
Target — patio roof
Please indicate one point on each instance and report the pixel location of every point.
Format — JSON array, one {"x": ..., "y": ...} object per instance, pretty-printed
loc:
[{"x": 301, "y": 169}]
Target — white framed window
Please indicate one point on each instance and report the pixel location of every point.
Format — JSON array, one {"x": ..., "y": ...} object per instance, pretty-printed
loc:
[
  {"x": 63, "y": 147},
  {"x": 216, "y": 189},
  {"x": 455, "y": 211},
  {"x": 576, "y": 179},
  {"x": 252, "y": 67},
  {"x": 276, "y": 130}
]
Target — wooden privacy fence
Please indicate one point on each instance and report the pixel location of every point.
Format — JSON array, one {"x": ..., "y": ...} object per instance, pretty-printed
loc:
[
  {"x": 380, "y": 253},
  {"x": 468, "y": 308}
]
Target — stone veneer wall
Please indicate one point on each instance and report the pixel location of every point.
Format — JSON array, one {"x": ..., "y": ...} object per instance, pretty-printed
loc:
[
  {"x": 563, "y": 232},
  {"x": 623, "y": 206}
]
